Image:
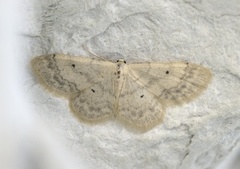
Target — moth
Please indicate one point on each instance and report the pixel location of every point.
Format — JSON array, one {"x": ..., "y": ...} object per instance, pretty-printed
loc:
[{"x": 136, "y": 93}]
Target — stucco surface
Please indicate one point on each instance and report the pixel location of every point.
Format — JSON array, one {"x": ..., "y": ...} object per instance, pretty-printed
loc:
[{"x": 197, "y": 135}]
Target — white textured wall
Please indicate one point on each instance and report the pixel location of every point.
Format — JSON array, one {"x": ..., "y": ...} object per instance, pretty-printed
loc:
[{"x": 198, "y": 135}]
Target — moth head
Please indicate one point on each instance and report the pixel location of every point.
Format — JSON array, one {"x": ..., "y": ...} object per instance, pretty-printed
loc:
[{"x": 121, "y": 61}]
